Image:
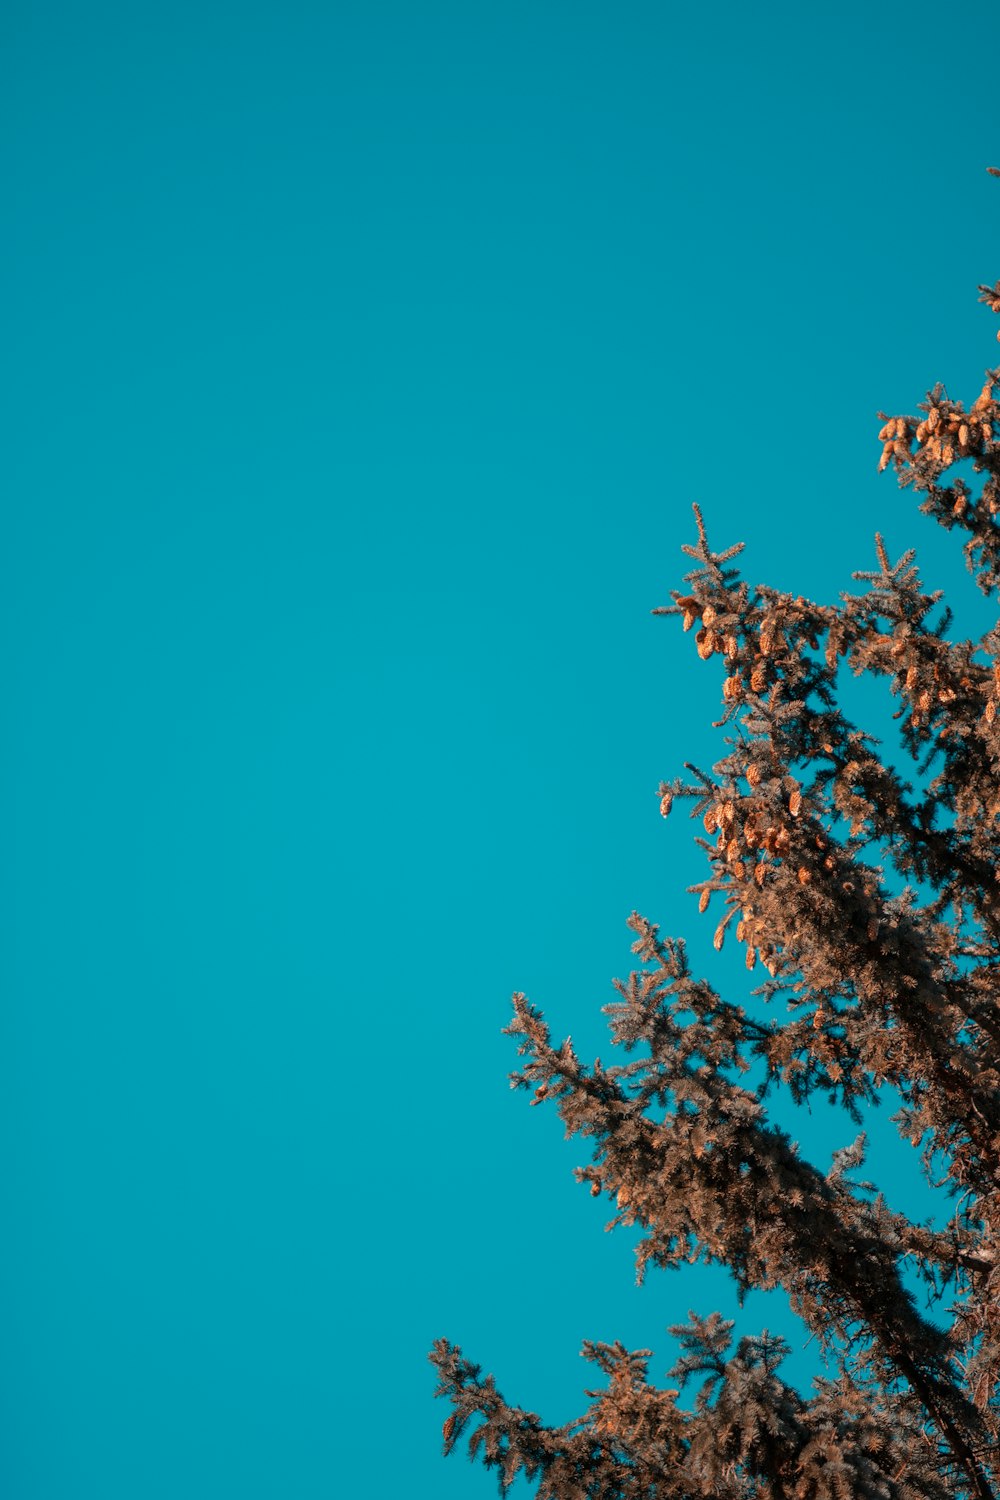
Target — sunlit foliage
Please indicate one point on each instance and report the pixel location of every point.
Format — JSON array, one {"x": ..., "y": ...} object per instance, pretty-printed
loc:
[{"x": 868, "y": 905}]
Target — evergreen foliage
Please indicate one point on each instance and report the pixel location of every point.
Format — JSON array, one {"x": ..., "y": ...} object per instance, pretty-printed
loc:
[{"x": 872, "y": 906}]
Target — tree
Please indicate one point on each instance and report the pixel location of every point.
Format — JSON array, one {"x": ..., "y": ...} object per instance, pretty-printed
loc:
[{"x": 872, "y": 905}]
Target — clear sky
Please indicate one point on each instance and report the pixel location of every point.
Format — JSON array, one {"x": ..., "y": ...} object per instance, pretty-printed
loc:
[{"x": 360, "y": 365}]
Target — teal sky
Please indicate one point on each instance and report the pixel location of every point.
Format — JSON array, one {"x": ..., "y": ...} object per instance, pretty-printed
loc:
[{"x": 361, "y": 363}]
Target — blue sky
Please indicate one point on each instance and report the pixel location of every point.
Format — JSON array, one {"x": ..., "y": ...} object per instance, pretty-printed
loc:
[{"x": 362, "y": 362}]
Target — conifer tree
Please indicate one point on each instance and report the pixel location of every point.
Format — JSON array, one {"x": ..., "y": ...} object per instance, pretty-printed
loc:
[{"x": 869, "y": 906}]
